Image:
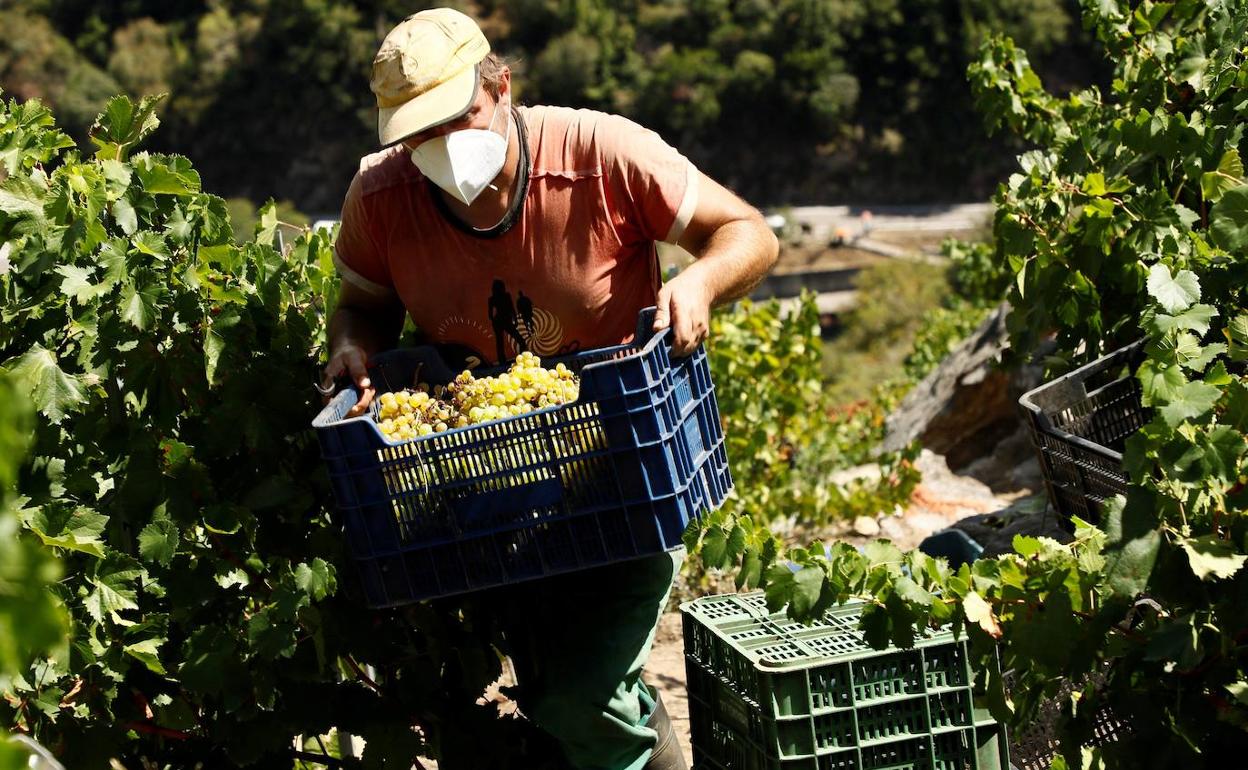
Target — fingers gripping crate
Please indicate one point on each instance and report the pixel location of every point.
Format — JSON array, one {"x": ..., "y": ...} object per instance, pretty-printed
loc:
[
  {"x": 1079, "y": 424},
  {"x": 767, "y": 693},
  {"x": 615, "y": 475}
]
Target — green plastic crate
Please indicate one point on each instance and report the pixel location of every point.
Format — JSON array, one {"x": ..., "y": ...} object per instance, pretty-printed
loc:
[{"x": 766, "y": 693}]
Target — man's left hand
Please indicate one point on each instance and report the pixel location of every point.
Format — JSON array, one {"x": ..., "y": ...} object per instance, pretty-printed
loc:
[{"x": 684, "y": 304}]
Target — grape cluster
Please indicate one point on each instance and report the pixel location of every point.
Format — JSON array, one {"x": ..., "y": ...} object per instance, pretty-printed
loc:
[{"x": 525, "y": 386}]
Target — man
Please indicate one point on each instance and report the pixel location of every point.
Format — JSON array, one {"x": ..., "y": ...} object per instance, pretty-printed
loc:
[{"x": 477, "y": 209}]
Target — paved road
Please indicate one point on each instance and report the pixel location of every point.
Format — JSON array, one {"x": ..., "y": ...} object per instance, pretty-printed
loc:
[{"x": 823, "y": 221}]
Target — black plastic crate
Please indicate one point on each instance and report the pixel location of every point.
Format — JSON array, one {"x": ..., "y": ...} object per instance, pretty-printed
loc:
[{"x": 1079, "y": 424}]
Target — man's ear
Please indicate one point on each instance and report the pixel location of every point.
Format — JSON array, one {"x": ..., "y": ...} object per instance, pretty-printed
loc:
[{"x": 504, "y": 81}]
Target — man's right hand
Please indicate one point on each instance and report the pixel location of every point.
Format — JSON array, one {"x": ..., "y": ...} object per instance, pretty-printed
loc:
[{"x": 353, "y": 361}]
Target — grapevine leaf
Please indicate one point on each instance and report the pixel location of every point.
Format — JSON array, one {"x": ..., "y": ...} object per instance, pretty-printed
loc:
[
  {"x": 980, "y": 612},
  {"x": 123, "y": 124},
  {"x": 117, "y": 176},
  {"x": 55, "y": 392},
  {"x": 736, "y": 543},
  {"x": 1094, "y": 184},
  {"x": 1192, "y": 400},
  {"x": 1237, "y": 335},
  {"x": 127, "y": 218},
  {"x": 77, "y": 529},
  {"x": 1132, "y": 541},
  {"x": 171, "y": 175},
  {"x": 1174, "y": 292},
  {"x": 1236, "y": 415},
  {"x": 147, "y": 652},
  {"x": 1160, "y": 383},
  {"x": 1176, "y": 639},
  {"x": 1239, "y": 691},
  {"x": 779, "y": 586},
  {"x": 151, "y": 243},
  {"x": 1230, "y": 172},
  {"x": 77, "y": 284},
  {"x": 1228, "y": 227},
  {"x": 1203, "y": 356},
  {"x": 113, "y": 589},
  {"x": 158, "y": 542},
  {"x": 1223, "y": 447},
  {"x": 266, "y": 225},
  {"x": 1211, "y": 557},
  {"x": 881, "y": 552},
  {"x": 807, "y": 585},
  {"x": 214, "y": 347},
  {"x": 178, "y": 228},
  {"x": 317, "y": 579},
  {"x": 751, "y": 570},
  {"x": 139, "y": 306},
  {"x": 22, "y": 199},
  {"x": 1195, "y": 319}
]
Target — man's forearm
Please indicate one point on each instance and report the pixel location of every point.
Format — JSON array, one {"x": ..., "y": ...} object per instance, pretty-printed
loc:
[
  {"x": 364, "y": 330},
  {"x": 734, "y": 259}
]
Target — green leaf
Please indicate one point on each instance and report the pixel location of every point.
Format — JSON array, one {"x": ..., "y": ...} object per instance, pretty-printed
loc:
[
  {"x": 1176, "y": 639},
  {"x": 1160, "y": 383},
  {"x": 1132, "y": 541},
  {"x": 139, "y": 307},
  {"x": 714, "y": 543},
  {"x": 1194, "y": 319},
  {"x": 123, "y": 125},
  {"x": 55, "y": 392},
  {"x": 266, "y": 226},
  {"x": 77, "y": 284},
  {"x": 1211, "y": 557},
  {"x": 882, "y": 552},
  {"x": 751, "y": 570},
  {"x": 151, "y": 243},
  {"x": 117, "y": 177},
  {"x": 1174, "y": 293},
  {"x": 316, "y": 579},
  {"x": 1094, "y": 184},
  {"x": 1230, "y": 172},
  {"x": 113, "y": 589},
  {"x": 158, "y": 542},
  {"x": 1228, "y": 227},
  {"x": 74, "y": 529},
  {"x": 127, "y": 219},
  {"x": 807, "y": 585},
  {"x": 1223, "y": 448},
  {"x": 215, "y": 345},
  {"x": 172, "y": 175},
  {"x": 979, "y": 612},
  {"x": 1237, "y": 336},
  {"x": 147, "y": 652},
  {"x": 1192, "y": 400}
]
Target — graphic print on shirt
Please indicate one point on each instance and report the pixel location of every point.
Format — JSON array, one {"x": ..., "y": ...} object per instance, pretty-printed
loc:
[
  {"x": 519, "y": 325},
  {"x": 458, "y": 354}
]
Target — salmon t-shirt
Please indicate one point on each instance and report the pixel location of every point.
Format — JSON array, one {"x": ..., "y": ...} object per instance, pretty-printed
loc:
[{"x": 571, "y": 272}]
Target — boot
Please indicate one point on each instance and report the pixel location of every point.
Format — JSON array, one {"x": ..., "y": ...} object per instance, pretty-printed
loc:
[{"x": 667, "y": 754}]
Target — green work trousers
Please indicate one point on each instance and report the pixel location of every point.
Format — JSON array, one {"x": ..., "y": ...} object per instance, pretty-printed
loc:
[{"x": 578, "y": 642}]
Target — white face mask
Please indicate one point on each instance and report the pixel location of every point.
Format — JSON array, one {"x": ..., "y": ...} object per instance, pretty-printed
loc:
[{"x": 464, "y": 162}]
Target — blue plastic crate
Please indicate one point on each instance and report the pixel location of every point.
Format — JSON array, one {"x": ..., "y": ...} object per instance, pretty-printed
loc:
[{"x": 616, "y": 475}]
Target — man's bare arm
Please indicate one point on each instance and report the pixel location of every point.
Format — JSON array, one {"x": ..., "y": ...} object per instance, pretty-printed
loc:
[
  {"x": 734, "y": 248},
  {"x": 363, "y": 323}
]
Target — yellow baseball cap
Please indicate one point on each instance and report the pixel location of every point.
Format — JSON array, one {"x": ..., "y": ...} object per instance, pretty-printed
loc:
[{"x": 425, "y": 72}]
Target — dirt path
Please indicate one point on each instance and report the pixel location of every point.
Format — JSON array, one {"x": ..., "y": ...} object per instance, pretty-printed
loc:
[{"x": 666, "y": 671}]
